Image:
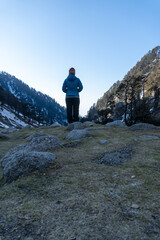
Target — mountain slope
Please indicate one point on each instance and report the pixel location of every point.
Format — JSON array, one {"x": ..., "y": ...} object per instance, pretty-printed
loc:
[
  {"x": 148, "y": 66},
  {"x": 8, "y": 118},
  {"x": 16, "y": 113},
  {"x": 48, "y": 106}
]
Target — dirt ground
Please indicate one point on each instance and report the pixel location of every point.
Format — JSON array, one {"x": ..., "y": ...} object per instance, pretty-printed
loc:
[{"x": 77, "y": 198}]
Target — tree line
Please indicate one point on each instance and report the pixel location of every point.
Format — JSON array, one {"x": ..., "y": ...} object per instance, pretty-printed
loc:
[{"x": 19, "y": 107}]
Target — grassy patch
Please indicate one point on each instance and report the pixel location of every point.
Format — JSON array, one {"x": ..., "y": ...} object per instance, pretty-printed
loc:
[{"x": 77, "y": 198}]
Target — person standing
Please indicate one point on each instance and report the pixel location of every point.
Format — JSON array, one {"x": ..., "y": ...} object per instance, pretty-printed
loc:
[{"x": 72, "y": 86}]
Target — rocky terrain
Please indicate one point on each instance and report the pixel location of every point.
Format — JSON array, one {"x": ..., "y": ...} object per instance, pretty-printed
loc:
[
  {"x": 149, "y": 67},
  {"x": 84, "y": 181},
  {"x": 135, "y": 98}
]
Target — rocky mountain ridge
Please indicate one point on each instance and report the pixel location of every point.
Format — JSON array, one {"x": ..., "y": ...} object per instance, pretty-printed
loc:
[
  {"x": 142, "y": 82},
  {"x": 148, "y": 66}
]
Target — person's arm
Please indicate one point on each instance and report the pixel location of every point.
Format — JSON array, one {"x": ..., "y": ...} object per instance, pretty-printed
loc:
[
  {"x": 80, "y": 86},
  {"x": 64, "y": 87}
]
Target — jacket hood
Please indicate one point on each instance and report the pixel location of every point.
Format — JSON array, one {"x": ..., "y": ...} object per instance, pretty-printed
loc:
[{"x": 71, "y": 77}]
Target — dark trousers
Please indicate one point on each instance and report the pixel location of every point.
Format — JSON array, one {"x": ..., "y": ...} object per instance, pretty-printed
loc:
[{"x": 72, "y": 109}]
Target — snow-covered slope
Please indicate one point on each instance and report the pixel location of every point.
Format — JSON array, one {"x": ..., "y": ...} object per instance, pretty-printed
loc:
[
  {"x": 8, "y": 118},
  {"x": 51, "y": 110}
]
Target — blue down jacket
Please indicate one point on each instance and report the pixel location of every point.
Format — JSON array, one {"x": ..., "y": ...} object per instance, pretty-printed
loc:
[{"x": 72, "y": 86}]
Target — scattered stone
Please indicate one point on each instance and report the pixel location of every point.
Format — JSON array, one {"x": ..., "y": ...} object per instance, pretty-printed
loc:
[
  {"x": 103, "y": 141},
  {"x": 28, "y": 127},
  {"x": 4, "y": 137},
  {"x": 133, "y": 184},
  {"x": 116, "y": 158},
  {"x": 75, "y": 125},
  {"x": 78, "y": 134},
  {"x": 117, "y": 123},
  {"x": 55, "y": 125},
  {"x": 135, "y": 140},
  {"x": 72, "y": 144},
  {"x": 135, "y": 206},
  {"x": 88, "y": 124},
  {"x": 35, "y": 135},
  {"x": 143, "y": 126},
  {"x": 149, "y": 136},
  {"x": 76, "y": 141},
  {"x": 22, "y": 162},
  {"x": 132, "y": 177}
]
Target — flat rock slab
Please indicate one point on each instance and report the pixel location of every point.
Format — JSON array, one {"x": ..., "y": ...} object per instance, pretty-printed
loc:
[
  {"x": 143, "y": 126},
  {"x": 44, "y": 143},
  {"x": 22, "y": 162},
  {"x": 103, "y": 141},
  {"x": 116, "y": 158},
  {"x": 88, "y": 123},
  {"x": 149, "y": 137},
  {"x": 35, "y": 135},
  {"x": 55, "y": 125},
  {"x": 76, "y": 126},
  {"x": 78, "y": 134},
  {"x": 117, "y": 123}
]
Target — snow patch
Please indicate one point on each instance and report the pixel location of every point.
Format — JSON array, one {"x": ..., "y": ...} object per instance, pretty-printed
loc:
[
  {"x": 12, "y": 118},
  {"x": 10, "y": 89},
  {"x": 3, "y": 125},
  {"x": 154, "y": 61},
  {"x": 158, "y": 51}
]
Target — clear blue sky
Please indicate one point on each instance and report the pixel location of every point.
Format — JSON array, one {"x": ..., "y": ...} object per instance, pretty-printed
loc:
[{"x": 41, "y": 39}]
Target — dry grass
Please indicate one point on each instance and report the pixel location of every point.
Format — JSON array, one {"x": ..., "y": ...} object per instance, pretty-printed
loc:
[{"x": 77, "y": 198}]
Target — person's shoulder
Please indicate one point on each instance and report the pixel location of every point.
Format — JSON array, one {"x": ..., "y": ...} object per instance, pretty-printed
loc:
[
  {"x": 66, "y": 79},
  {"x": 77, "y": 78}
]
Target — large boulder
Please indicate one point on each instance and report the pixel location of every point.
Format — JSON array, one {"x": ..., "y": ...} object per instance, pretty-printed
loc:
[
  {"x": 35, "y": 135},
  {"x": 54, "y": 125},
  {"x": 117, "y": 123},
  {"x": 16, "y": 163},
  {"x": 75, "y": 125},
  {"x": 29, "y": 157},
  {"x": 88, "y": 124},
  {"x": 44, "y": 143},
  {"x": 38, "y": 144},
  {"x": 116, "y": 158},
  {"x": 78, "y": 134},
  {"x": 143, "y": 126}
]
